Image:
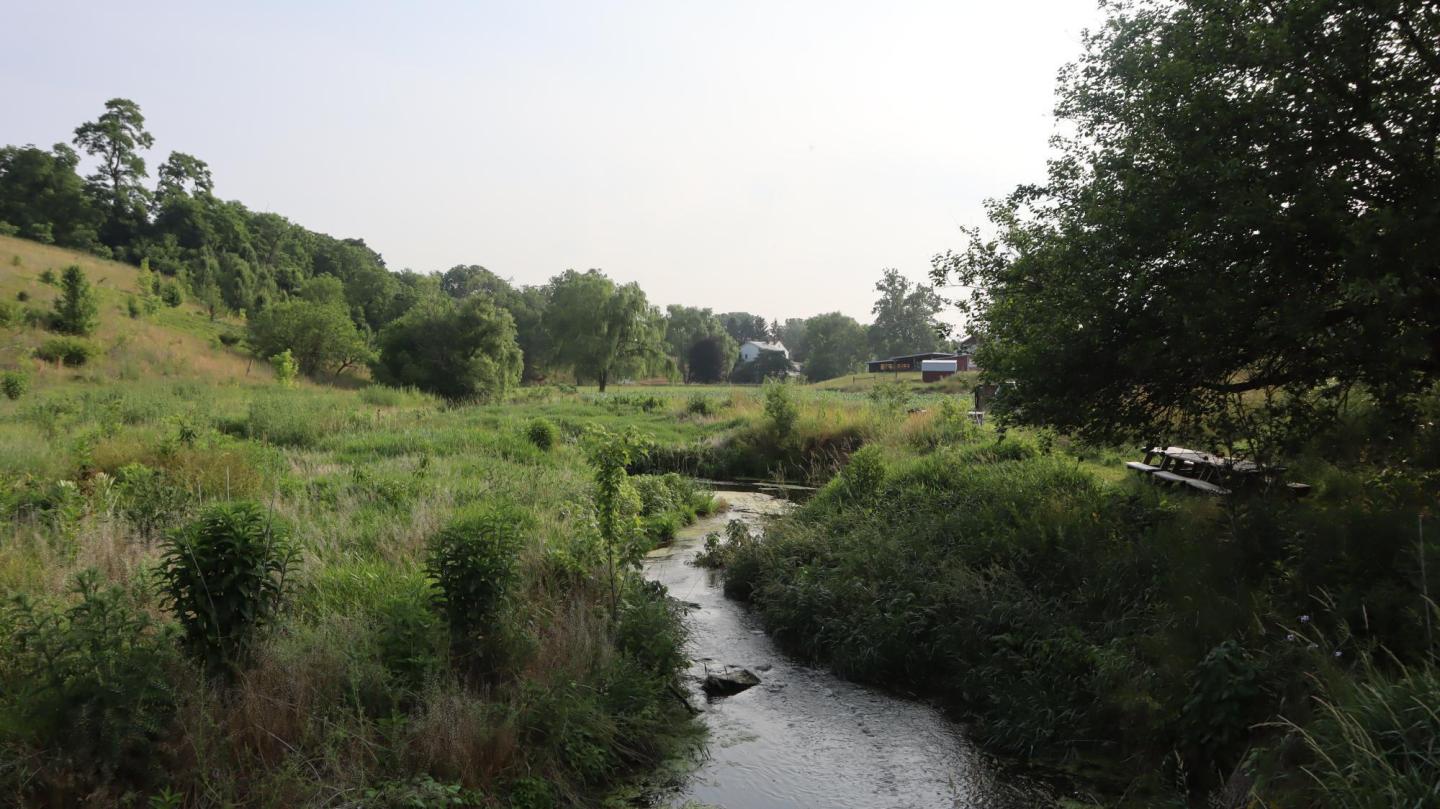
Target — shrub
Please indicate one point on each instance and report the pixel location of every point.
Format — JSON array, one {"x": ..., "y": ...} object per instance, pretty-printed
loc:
[
  {"x": 132, "y": 307},
  {"x": 47, "y": 276},
  {"x": 474, "y": 564},
  {"x": 542, "y": 433},
  {"x": 23, "y": 295},
  {"x": 170, "y": 294},
  {"x": 14, "y": 384},
  {"x": 230, "y": 339},
  {"x": 7, "y": 229},
  {"x": 890, "y": 397},
  {"x": 69, "y": 351},
  {"x": 76, "y": 310},
  {"x": 224, "y": 577},
  {"x": 780, "y": 408},
  {"x": 701, "y": 405},
  {"x": 286, "y": 369},
  {"x": 85, "y": 689},
  {"x": 147, "y": 498},
  {"x": 10, "y": 314}
]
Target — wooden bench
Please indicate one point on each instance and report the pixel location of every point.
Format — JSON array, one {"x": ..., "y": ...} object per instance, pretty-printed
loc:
[
  {"x": 1168, "y": 477},
  {"x": 1143, "y": 468},
  {"x": 1208, "y": 488}
]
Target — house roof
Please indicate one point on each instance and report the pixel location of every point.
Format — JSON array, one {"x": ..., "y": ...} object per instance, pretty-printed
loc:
[
  {"x": 928, "y": 355},
  {"x": 766, "y": 346}
]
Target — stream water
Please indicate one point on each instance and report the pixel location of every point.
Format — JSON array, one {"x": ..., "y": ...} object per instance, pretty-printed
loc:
[{"x": 803, "y": 737}]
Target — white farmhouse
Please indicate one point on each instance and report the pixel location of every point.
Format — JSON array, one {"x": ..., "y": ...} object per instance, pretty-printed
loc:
[{"x": 750, "y": 350}]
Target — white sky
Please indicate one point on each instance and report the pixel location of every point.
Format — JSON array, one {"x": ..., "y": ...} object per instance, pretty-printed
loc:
[{"x": 770, "y": 157}]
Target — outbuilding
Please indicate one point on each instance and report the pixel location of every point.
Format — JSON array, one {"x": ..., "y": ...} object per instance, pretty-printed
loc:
[{"x": 936, "y": 370}]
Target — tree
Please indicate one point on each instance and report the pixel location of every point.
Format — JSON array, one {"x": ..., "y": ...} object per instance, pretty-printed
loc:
[
  {"x": 744, "y": 327},
  {"x": 40, "y": 193},
  {"x": 708, "y": 358},
  {"x": 685, "y": 327},
  {"x": 463, "y": 350},
  {"x": 792, "y": 334},
  {"x": 1239, "y": 231},
  {"x": 837, "y": 346},
  {"x": 598, "y": 328},
  {"x": 767, "y": 365},
  {"x": 320, "y": 335},
  {"x": 76, "y": 311},
  {"x": 905, "y": 317},
  {"x": 184, "y": 174},
  {"x": 116, "y": 139}
]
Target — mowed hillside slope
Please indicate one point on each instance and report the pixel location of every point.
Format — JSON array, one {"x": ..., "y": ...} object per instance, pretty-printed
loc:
[{"x": 170, "y": 342}]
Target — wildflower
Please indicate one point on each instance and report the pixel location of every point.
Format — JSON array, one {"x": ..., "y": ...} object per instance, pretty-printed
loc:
[
  {"x": 1290, "y": 636},
  {"x": 1314, "y": 646},
  {"x": 1339, "y": 654},
  {"x": 1304, "y": 619}
]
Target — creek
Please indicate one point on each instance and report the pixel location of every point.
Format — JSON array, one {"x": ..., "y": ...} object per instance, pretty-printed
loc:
[{"x": 804, "y": 737}]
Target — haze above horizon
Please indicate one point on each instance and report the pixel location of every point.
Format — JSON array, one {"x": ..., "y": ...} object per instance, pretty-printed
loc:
[{"x": 741, "y": 156}]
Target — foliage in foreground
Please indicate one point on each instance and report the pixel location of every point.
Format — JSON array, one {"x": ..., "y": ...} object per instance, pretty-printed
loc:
[{"x": 1136, "y": 640}]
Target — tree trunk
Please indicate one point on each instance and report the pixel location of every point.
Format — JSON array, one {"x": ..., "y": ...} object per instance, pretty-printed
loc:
[{"x": 604, "y": 376}]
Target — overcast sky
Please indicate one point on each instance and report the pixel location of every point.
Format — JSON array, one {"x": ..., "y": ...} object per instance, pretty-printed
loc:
[{"x": 768, "y": 156}]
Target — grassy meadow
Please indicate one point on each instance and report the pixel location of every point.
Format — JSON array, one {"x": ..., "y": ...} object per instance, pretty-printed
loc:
[{"x": 1158, "y": 648}]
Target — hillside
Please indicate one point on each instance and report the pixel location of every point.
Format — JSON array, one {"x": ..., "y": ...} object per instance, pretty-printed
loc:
[{"x": 176, "y": 342}]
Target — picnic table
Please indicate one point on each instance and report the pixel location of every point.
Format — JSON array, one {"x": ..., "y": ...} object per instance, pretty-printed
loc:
[{"x": 1205, "y": 471}]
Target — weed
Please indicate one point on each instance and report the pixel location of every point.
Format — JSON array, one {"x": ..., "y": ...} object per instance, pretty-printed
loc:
[{"x": 224, "y": 577}]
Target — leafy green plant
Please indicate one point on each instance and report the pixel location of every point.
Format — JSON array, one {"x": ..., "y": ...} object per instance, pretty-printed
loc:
[
  {"x": 47, "y": 277},
  {"x": 14, "y": 384},
  {"x": 76, "y": 310},
  {"x": 148, "y": 498},
  {"x": 286, "y": 369},
  {"x": 780, "y": 408},
  {"x": 890, "y": 397},
  {"x": 69, "y": 351},
  {"x": 474, "y": 564},
  {"x": 224, "y": 577},
  {"x": 542, "y": 433},
  {"x": 616, "y": 503},
  {"x": 85, "y": 688},
  {"x": 702, "y": 405},
  {"x": 171, "y": 295}
]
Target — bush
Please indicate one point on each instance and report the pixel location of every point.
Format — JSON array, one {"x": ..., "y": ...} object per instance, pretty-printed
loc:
[
  {"x": 781, "y": 409},
  {"x": 14, "y": 384},
  {"x": 230, "y": 339},
  {"x": 286, "y": 368},
  {"x": 224, "y": 577},
  {"x": 68, "y": 351},
  {"x": 23, "y": 295},
  {"x": 701, "y": 405},
  {"x": 47, "y": 276},
  {"x": 474, "y": 564},
  {"x": 147, "y": 498},
  {"x": 76, "y": 310},
  {"x": 85, "y": 690},
  {"x": 170, "y": 294},
  {"x": 10, "y": 314},
  {"x": 133, "y": 307},
  {"x": 542, "y": 433}
]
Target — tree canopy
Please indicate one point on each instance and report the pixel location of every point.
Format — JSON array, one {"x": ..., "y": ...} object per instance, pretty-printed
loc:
[
  {"x": 459, "y": 350},
  {"x": 599, "y": 328},
  {"x": 1240, "y": 228},
  {"x": 906, "y": 319},
  {"x": 837, "y": 345}
]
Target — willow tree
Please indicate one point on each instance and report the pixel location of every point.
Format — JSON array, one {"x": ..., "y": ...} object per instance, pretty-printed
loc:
[
  {"x": 1241, "y": 227},
  {"x": 598, "y": 328}
]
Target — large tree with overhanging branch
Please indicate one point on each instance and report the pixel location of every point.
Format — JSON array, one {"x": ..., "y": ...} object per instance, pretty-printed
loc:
[{"x": 1241, "y": 228}]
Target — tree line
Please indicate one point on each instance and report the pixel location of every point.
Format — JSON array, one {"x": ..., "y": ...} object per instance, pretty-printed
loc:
[
  {"x": 1238, "y": 233},
  {"x": 335, "y": 305}
]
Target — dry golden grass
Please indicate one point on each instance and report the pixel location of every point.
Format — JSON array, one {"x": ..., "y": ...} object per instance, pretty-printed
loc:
[{"x": 180, "y": 342}]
